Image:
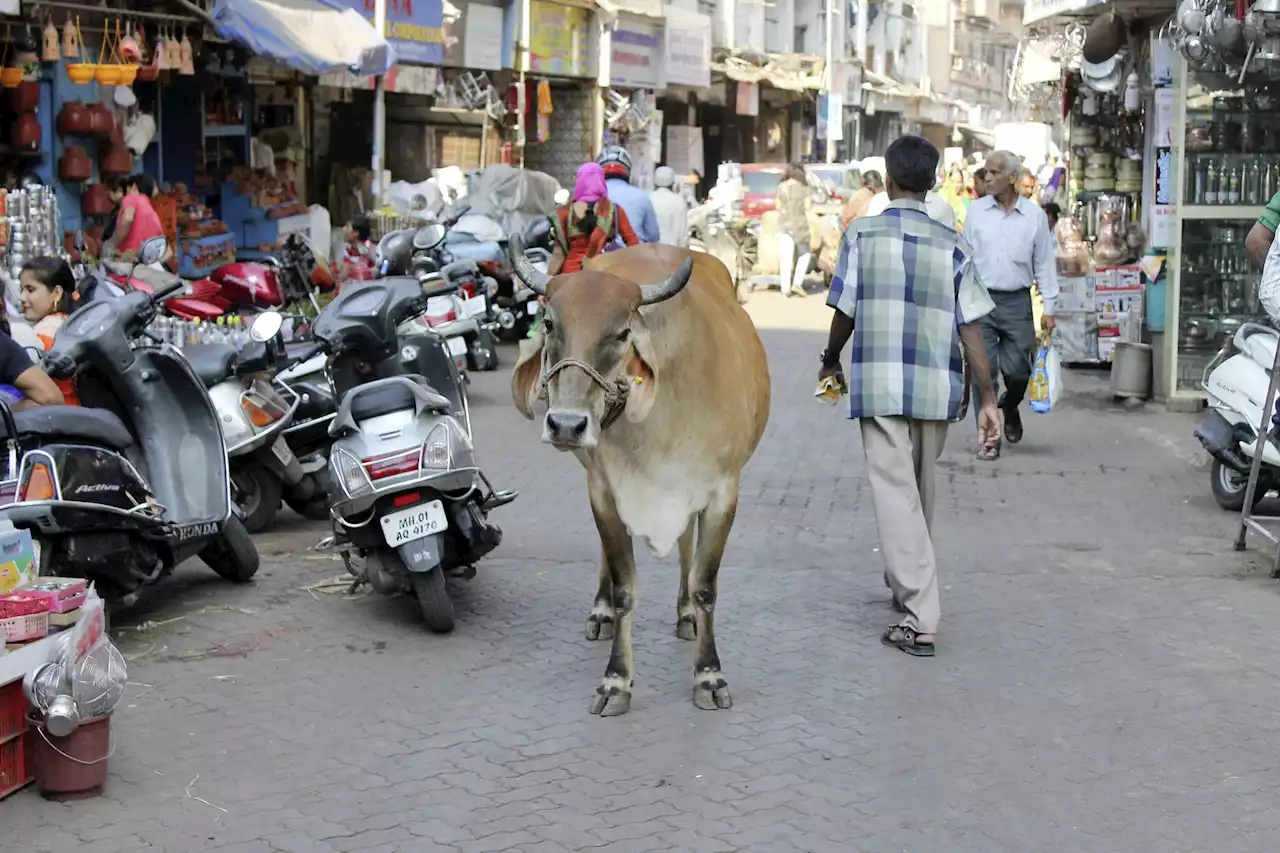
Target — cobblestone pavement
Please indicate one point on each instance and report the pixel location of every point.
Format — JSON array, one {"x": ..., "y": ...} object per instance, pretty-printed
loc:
[{"x": 1105, "y": 680}]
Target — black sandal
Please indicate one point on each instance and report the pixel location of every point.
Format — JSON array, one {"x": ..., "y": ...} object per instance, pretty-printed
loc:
[
  {"x": 908, "y": 640},
  {"x": 1012, "y": 425}
]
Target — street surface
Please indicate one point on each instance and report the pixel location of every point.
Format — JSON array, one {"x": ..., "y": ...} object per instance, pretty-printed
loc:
[{"x": 1106, "y": 679}]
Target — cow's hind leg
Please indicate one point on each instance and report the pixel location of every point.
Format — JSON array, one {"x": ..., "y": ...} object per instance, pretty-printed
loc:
[
  {"x": 710, "y": 690},
  {"x": 613, "y": 696},
  {"x": 685, "y": 623},
  {"x": 601, "y": 621}
]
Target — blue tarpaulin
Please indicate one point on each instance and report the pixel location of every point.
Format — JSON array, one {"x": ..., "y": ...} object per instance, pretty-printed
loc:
[{"x": 311, "y": 36}]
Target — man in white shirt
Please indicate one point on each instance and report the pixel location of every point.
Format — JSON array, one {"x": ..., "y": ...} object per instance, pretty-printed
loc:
[
  {"x": 670, "y": 208},
  {"x": 1012, "y": 249}
]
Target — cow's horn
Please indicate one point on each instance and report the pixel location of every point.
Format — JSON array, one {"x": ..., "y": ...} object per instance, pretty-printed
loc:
[
  {"x": 534, "y": 279},
  {"x": 653, "y": 293}
]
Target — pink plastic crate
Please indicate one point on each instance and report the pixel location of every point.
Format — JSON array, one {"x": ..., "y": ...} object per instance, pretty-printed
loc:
[
  {"x": 23, "y": 603},
  {"x": 58, "y": 601}
]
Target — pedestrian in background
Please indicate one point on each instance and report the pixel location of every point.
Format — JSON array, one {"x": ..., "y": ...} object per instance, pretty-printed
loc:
[
  {"x": 1027, "y": 184},
  {"x": 1013, "y": 249},
  {"x": 908, "y": 293},
  {"x": 588, "y": 224},
  {"x": 794, "y": 234},
  {"x": 670, "y": 208},
  {"x": 856, "y": 206},
  {"x": 616, "y": 163}
]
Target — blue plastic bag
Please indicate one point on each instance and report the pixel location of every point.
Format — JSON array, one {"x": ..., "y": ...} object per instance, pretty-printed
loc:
[{"x": 1046, "y": 379}]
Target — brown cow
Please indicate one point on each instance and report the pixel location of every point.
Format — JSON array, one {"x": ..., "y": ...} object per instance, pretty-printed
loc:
[{"x": 662, "y": 392}]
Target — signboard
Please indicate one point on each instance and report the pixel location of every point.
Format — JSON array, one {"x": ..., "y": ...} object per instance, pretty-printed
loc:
[
  {"x": 688, "y": 48},
  {"x": 637, "y": 55},
  {"x": 415, "y": 28},
  {"x": 1039, "y": 10},
  {"x": 482, "y": 40},
  {"x": 560, "y": 40}
]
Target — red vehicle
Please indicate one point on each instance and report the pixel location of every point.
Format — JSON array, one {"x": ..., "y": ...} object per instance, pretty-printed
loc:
[{"x": 760, "y": 187}]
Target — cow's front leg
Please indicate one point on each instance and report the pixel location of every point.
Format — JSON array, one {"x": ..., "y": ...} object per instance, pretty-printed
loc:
[
  {"x": 601, "y": 621},
  {"x": 710, "y": 690},
  {"x": 685, "y": 622},
  {"x": 613, "y": 696}
]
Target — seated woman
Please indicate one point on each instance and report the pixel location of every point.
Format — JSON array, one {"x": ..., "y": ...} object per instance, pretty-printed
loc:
[
  {"x": 589, "y": 224},
  {"x": 24, "y": 376},
  {"x": 47, "y": 291},
  {"x": 138, "y": 220}
]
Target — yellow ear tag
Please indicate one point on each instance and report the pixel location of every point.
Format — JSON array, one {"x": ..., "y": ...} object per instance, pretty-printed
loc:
[{"x": 639, "y": 380}]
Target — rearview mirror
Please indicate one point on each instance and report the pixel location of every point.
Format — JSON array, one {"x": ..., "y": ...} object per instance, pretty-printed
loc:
[
  {"x": 265, "y": 326},
  {"x": 153, "y": 251},
  {"x": 428, "y": 236}
]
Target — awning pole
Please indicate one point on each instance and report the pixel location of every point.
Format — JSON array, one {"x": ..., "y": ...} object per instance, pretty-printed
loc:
[{"x": 379, "y": 109}]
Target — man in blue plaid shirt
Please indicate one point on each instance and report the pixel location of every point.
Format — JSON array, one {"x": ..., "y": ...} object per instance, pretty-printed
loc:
[{"x": 907, "y": 291}]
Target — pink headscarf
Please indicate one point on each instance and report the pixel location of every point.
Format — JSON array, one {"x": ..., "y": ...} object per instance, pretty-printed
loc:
[{"x": 589, "y": 186}]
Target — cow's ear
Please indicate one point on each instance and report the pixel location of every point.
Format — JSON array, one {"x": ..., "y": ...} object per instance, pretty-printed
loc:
[
  {"x": 527, "y": 376},
  {"x": 642, "y": 374}
]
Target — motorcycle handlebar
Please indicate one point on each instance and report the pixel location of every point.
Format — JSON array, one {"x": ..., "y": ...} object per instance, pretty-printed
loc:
[{"x": 60, "y": 367}]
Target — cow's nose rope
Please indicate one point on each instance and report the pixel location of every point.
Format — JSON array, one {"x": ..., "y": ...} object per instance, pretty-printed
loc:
[{"x": 615, "y": 392}]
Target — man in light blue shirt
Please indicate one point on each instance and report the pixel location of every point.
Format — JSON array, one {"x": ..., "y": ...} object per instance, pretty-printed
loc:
[
  {"x": 616, "y": 163},
  {"x": 1012, "y": 249}
]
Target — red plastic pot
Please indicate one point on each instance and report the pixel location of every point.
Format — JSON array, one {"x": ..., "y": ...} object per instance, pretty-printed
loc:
[
  {"x": 74, "y": 119},
  {"x": 25, "y": 98},
  {"x": 24, "y": 135},
  {"x": 75, "y": 165}
]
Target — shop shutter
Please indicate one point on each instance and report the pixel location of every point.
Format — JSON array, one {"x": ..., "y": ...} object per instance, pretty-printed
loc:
[{"x": 570, "y": 143}]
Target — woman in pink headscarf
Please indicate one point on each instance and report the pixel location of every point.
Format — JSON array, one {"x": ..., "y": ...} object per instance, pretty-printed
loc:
[{"x": 588, "y": 224}]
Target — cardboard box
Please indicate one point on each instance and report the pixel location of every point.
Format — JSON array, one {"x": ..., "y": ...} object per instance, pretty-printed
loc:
[
  {"x": 1118, "y": 290},
  {"x": 1076, "y": 294},
  {"x": 18, "y": 567}
]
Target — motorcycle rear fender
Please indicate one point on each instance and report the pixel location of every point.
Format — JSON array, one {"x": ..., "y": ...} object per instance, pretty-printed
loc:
[{"x": 423, "y": 555}]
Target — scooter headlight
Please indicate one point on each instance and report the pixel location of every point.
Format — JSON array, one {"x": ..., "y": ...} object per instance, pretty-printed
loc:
[{"x": 350, "y": 473}]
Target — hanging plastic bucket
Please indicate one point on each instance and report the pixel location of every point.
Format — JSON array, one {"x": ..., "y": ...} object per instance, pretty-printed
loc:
[{"x": 74, "y": 766}]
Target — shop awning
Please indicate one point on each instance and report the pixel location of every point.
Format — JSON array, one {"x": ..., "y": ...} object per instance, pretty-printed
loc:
[
  {"x": 792, "y": 71},
  {"x": 310, "y": 36},
  {"x": 644, "y": 8}
]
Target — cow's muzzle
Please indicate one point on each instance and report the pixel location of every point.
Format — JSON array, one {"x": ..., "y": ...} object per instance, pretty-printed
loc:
[{"x": 572, "y": 428}]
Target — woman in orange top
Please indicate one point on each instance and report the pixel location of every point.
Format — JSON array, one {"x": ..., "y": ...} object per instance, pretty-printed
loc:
[
  {"x": 47, "y": 288},
  {"x": 588, "y": 224}
]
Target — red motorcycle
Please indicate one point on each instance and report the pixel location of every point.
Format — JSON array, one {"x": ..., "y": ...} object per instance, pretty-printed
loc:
[{"x": 248, "y": 287}]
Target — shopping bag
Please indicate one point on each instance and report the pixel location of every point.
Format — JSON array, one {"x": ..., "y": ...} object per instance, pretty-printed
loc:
[{"x": 1046, "y": 379}]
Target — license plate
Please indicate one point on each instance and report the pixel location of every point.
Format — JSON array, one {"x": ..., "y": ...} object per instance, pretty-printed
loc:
[
  {"x": 282, "y": 452},
  {"x": 401, "y": 528},
  {"x": 457, "y": 346},
  {"x": 476, "y": 306},
  {"x": 533, "y": 307}
]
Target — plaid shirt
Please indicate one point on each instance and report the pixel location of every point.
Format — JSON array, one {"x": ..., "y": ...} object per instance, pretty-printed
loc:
[{"x": 908, "y": 282}]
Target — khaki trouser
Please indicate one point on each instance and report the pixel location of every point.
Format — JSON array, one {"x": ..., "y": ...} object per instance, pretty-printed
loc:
[{"x": 901, "y": 455}]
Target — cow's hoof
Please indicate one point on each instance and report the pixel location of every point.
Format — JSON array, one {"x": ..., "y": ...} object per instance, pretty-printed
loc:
[
  {"x": 600, "y": 626},
  {"x": 686, "y": 629},
  {"x": 610, "y": 700},
  {"x": 711, "y": 692}
]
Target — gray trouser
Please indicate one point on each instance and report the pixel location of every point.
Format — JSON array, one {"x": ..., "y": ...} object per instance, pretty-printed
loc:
[
  {"x": 1009, "y": 333},
  {"x": 901, "y": 455}
]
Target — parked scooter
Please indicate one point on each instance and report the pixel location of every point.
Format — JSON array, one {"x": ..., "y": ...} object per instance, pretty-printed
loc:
[
  {"x": 408, "y": 501},
  {"x": 254, "y": 415},
  {"x": 308, "y": 432},
  {"x": 1236, "y": 381},
  {"x": 124, "y": 487}
]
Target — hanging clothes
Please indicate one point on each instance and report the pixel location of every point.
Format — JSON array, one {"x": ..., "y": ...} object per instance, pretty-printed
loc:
[{"x": 544, "y": 111}]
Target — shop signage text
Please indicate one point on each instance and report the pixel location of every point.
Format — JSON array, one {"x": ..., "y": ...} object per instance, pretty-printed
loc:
[
  {"x": 688, "y": 48},
  {"x": 637, "y": 55},
  {"x": 560, "y": 40},
  {"x": 415, "y": 28}
]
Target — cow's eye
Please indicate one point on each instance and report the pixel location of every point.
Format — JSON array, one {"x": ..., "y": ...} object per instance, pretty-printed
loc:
[
  {"x": 547, "y": 326},
  {"x": 624, "y": 336}
]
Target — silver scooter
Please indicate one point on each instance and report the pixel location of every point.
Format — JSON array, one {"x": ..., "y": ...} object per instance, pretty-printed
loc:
[{"x": 408, "y": 501}]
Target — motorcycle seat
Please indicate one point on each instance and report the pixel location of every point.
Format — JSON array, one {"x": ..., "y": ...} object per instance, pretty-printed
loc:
[
  {"x": 366, "y": 404},
  {"x": 212, "y": 363},
  {"x": 293, "y": 349},
  {"x": 97, "y": 426}
]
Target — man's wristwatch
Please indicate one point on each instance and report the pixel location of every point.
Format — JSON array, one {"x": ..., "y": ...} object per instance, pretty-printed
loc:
[{"x": 828, "y": 360}]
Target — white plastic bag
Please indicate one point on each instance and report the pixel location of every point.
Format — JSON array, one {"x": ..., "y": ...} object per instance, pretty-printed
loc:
[{"x": 1046, "y": 379}]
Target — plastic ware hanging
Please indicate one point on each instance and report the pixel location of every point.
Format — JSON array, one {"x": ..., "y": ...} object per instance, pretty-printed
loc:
[
  {"x": 70, "y": 40},
  {"x": 51, "y": 50}
]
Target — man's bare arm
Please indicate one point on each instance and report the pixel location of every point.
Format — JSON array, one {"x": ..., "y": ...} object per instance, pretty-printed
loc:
[
  {"x": 975, "y": 353},
  {"x": 1258, "y": 243}
]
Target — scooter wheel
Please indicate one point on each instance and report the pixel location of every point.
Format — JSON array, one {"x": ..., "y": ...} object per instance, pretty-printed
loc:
[
  {"x": 231, "y": 553},
  {"x": 257, "y": 492},
  {"x": 1229, "y": 487},
  {"x": 433, "y": 600}
]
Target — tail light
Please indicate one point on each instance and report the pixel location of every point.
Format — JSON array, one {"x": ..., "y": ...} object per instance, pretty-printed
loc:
[
  {"x": 435, "y": 450},
  {"x": 441, "y": 319},
  {"x": 38, "y": 484},
  {"x": 262, "y": 405},
  {"x": 391, "y": 464}
]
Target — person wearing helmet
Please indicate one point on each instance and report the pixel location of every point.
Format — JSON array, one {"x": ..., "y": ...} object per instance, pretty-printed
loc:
[{"x": 616, "y": 163}]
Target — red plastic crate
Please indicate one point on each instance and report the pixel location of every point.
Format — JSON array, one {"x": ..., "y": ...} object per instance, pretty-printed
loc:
[
  {"x": 13, "y": 765},
  {"x": 13, "y": 710}
]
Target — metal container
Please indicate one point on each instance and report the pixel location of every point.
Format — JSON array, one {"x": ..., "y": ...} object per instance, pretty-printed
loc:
[
  {"x": 63, "y": 717},
  {"x": 1131, "y": 370}
]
